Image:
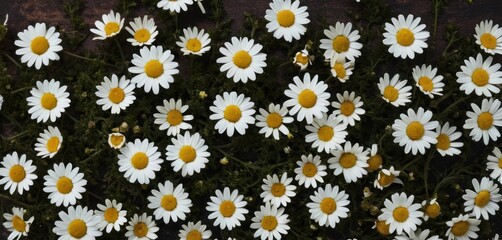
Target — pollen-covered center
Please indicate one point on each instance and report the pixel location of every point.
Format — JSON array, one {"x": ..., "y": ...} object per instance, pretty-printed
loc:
[
  {"x": 227, "y": 208},
  {"x": 309, "y": 169},
  {"x": 232, "y": 113},
  {"x": 374, "y": 162},
  {"x": 500, "y": 162},
  {"x": 385, "y": 180},
  {"x": 116, "y": 95},
  {"x": 405, "y": 37},
  {"x": 139, "y": 160},
  {"x": 328, "y": 205},
  {"x": 415, "y": 130},
  {"x": 187, "y": 154},
  {"x": 278, "y": 189},
  {"x": 460, "y": 228},
  {"x": 347, "y": 108},
  {"x": 340, "y": 70},
  {"x": 488, "y": 41},
  {"x": 325, "y": 133},
  {"x": 174, "y": 117},
  {"x": 347, "y": 160},
  {"x": 426, "y": 84},
  {"x": 482, "y": 198},
  {"x": 18, "y": 224},
  {"x": 193, "y": 44},
  {"x": 307, "y": 98},
  {"x": 382, "y": 228},
  {"x": 17, "y": 173},
  {"x": 140, "y": 229},
  {"x": 39, "y": 45},
  {"x": 274, "y": 120},
  {"x": 64, "y": 185},
  {"x": 242, "y": 59},
  {"x": 117, "y": 139},
  {"x": 142, "y": 35},
  {"x": 480, "y": 77},
  {"x": 485, "y": 120},
  {"x": 77, "y": 228},
  {"x": 341, "y": 43},
  {"x": 390, "y": 93},
  {"x": 169, "y": 202},
  {"x": 433, "y": 210},
  {"x": 154, "y": 68},
  {"x": 286, "y": 18},
  {"x": 302, "y": 59},
  {"x": 443, "y": 142},
  {"x": 52, "y": 144},
  {"x": 269, "y": 223},
  {"x": 400, "y": 214},
  {"x": 48, "y": 101},
  {"x": 111, "y": 215},
  {"x": 111, "y": 28},
  {"x": 194, "y": 235}
]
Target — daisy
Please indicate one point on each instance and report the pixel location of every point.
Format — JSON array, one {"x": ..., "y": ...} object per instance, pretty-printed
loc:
[
  {"x": 348, "y": 107},
  {"x": 326, "y": 133},
  {"x": 188, "y": 153},
  {"x": 382, "y": 227},
  {"x": 232, "y": 112},
  {"x": 116, "y": 140},
  {"x": 64, "y": 184},
  {"x": 462, "y": 228},
  {"x": 310, "y": 170},
  {"x": 446, "y": 136},
  {"x": 375, "y": 161},
  {"x": 270, "y": 222},
  {"x": 77, "y": 223},
  {"x": 431, "y": 209},
  {"x": 328, "y": 205},
  {"x": 228, "y": 208},
  {"x": 16, "y": 224},
  {"x": 386, "y": 177},
  {"x": 48, "y": 100},
  {"x": 17, "y": 173},
  {"x": 308, "y": 98},
  {"x": 153, "y": 67},
  {"x": 278, "y": 191},
  {"x": 415, "y": 131},
  {"x": 401, "y": 213},
  {"x": 174, "y": 5},
  {"x": 110, "y": 26},
  {"x": 171, "y": 117},
  {"x": 116, "y": 94},
  {"x": 483, "y": 201},
  {"x": 49, "y": 142},
  {"x": 484, "y": 121},
  {"x": 418, "y": 235},
  {"x": 139, "y": 160},
  {"x": 394, "y": 91},
  {"x": 427, "y": 81},
  {"x": 341, "y": 69},
  {"x": 351, "y": 160},
  {"x": 194, "y": 41},
  {"x": 272, "y": 121},
  {"x": 341, "y": 42},
  {"x": 479, "y": 76},
  {"x": 405, "y": 36},
  {"x": 242, "y": 59},
  {"x": 38, "y": 45},
  {"x": 489, "y": 37},
  {"x": 141, "y": 228},
  {"x": 303, "y": 59},
  {"x": 111, "y": 216},
  {"x": 286, "y": 19},
  {"x": 495, "y": 164},
  {"x": 194, "y": 231},
  {"x": 143, "y": 31},
  {"x": 170, "y": 202}
]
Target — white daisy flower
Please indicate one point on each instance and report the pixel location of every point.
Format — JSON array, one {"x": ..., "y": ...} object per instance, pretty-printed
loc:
[
  {"x": 242, "y": 59},
  {"x": 341, "y": 69},
  {"x": 386, "y": 177},
  {"x": 143, "y": 31},
  {"x": 170, "y": 202},
  {"x": 418, "y": 235},
  {"x": 77, "y": 223},
  {"x": 341, "y": 42},
  {"x": 405, "y": 36},
  {"x": 272, "y": 121},
  {"x": 401, "y": 213},
  {"x": 328, "y": 206},
  {"x": 48, "y": 100},
  {"x": 278, "y": 191},
  {"x": 415, "y": 131},
  {"x": 431, "y": 209},
  {"x": 139, "y": 160},
  {"x": 38, "y": 45},
  {"x": 326, "y": 133},
  {"x": 394, "y": 91},
  {"x": 479, "y": 76},
  {"x": 153, "y": 67},
  {"x": 351, "y": 160},
  {"x": 310, "y": 170},
  {"x": 116, "y": 94},
  {"x": 375, "y": 161},
  {"x": 462, "y": 228},
  {"x": 232, "y": 112},
  {"x": 174, "y": 5},
  {"x": 484, "y": 121},
  {"x": 194, "y": 231},
  {"x": 483, "y": 201},
  {"x": 308, "y": 98},
  {"x": 446, "y": 136},
  {"x": 427, "y": 81},
  {"x": 495, "y": 164},
  {"x": 116, "y": 140},
  {"x": 15, "y": 223},
  {"x": 49, "y": 142},
  {"x": 171, "y": 117},
  {"x": 17, "y": 173},
  {"x": 303, "y": 59},
  {"x": 270, "y": 222},
  {"x": 286, "y": 19},
  {"x": 141, "y": 228},
  {"x": 228, "y": 208},
  {"x": 188, "y": 153},
  {"x": 348, "y": 107},
  {"x": 194, "y": 41},
  {"x": 111, "y": 25},
  {"x": 111, "y": 216},
  {"x": 489, "y": 37},
  {"x": 64, "y": 184}
]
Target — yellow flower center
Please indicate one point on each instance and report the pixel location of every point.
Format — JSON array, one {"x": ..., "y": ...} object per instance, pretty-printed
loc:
[
  {"x": 140, "y": 229},
  {"x": 328, "y": 205},
  {"x": 274, "y": 120},
  {"x": 341, "y": 44},
  {"x": 232, "y": 113},
  {"x": 48, "y": 101},
  {"x": 385, "y": 180},
  {"x": 193, "y": 44},
  {"x": 390, "y": 93},
  {"x": 325, "y": 133},
  {"x": 142, "y": 35},
  {"x": 500, "y": 162},
  {"x": 482, "y": 198},
  {"x": 340, "y": 70},
  {"x": 154, "y": 68},
  {"x": 139, "y": 160},
  {"x": 77, "y": 228},
  {"x": 433, "y": 210},
  {"x": 347, "y": 108},
  {"x": 400, "y": 214},
  {"x": 307, "y": 98},
  {"x": 169, "y": 202},
  {"x": 18, "y": 224},
  {"x": 485, "y": 120},
  {"x": 405, "y": 37},
  {"x": 116, "y": 95},
  {"x": 187, "y": 154},
  {"x": 17, "y": 173},
  {"x": 53, "y": 144},
  {"x": 64, "y": 185},
  {"x": 174, "y": 117},
  {"x": 347, "y": 160},
  {"x": 278, "y": 189},
  {"x": 194, "y": 235},
  {"x": 242, "y": 59},
  {"x": 415, "y": 130},
  {"x": 443, "y": 142},
  {"x": 426, "y": 84},
  {"x": 480, "y": 77},
  {"x": 309, "y": 169},
  {"x": 39, "y": 45},
  {"x": 374, "y": 162},
  {"x": 117, "y": 139},
  {"x": 286, "y": 18},
  {"x": 269, "y": 223},
  {"x": 302, "y": 59},
  {"x": 227, "y": 208},
  {"x": 488, "y": 41},
  {"x": 111, "y": 215},
  {"x": 382, "y": 228},
  {"x": 111, "y": 28},
  {"x": 460, "y": 228}
]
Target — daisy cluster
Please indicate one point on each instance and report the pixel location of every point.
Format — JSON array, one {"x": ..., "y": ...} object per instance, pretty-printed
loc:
[{"x": 200, "y": 135}]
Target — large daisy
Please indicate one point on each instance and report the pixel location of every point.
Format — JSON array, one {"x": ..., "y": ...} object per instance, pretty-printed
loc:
[
  {"x": 462, "y": 228},
  {"x": 64, "y": 184},
  {"x": 483, "y": 201},
  {"x": 38, "y": 45},
  {"x": 270, "y": 222},
  {"x": 141, "y": 228},
  {"x": 328, "y": 206},
  {"x": 446, "y": 136},
  {"x": 348, "y": 107},
  {"x": 428, "y": 81},
  {"x": 174, "y": 5},
  {"x": 489, "y": 37},
  {"x": 15, "y": 223},
  {"x": 188, "y": 153},
  {"x": 479, "y": 76},
  {"x": 77, "y": 223},
  {"x": 110, "y": 216},
  {"x": 494, "y": 164},
  {"x": 401, "y": 213},
  {"x": 394, "y": 91},
  {"x": 405, "y": 36},
  {"x": 139, "y": 160},
  {"x": 484, "y": 121},
  {"x": 278, "y": 191},
  {"x": 232, "y": 112},
  {"x": 415, "y": 131},
  {"x": 143, "y": 31},
  {"x": 48, "y": 100},
  {"x": 110, "y": 26},
  {"x": 310, "y": 170},
  {"x": 116, "y": 94},
  {"x": 286, "y": 19},
  {"x": 341, "y": 42},
  {"x": 17, "y": 173},
  {"x": 326, "y": 133},
  {"x": 49, "y": 142},
  {"x": 172, "y": 116},
  {"x": 227, "y": 208},
  {"x": 194, "y": 41},
  {"x": 194, "y": 231},
  {"x": 272, "y": 121},
  {"x": 351, "y": 160},
  {"x": 170, "y": 202}
]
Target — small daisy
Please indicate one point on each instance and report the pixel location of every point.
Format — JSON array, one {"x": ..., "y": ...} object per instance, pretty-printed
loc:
[
  {"x": 116, "y": 140},
  {"x": 139, "y": 160},
  {"x": 348, "y": 107},
  {"x": 310, "y": 170},
  {"x": 328, "y": 205},
  {"x": 143, "y": 31},
  {"x": 77, "y": 223},
  {"x": 382, "y": 227},
  {"x": 141, "y": 228},
  {"x": 479, "y": 76},
  {"x": 308, "y": 98},
  {"x": 48, "y": 100},
  {"x": 232, "y": 112},
  {"x": 326, "y": 133},
  {"x": 111, "y": 216},
  {"x": 16, "y": 224},
  {"x": 286, "y": 19},
  {"x": 405, "y": 36},
  {"x": 116, "y": 94},
  {"x": 375, "y": 161},
  {"x": 171, "y": 117},
  {"x": 394, "y": 91},
  {"x": 153, "y": 67},
  {"x": 303, "y": 59},
  {"x": 386, "y": 177},
  {"x": 170, "y": 202},
  {"x": 462, "y": 228},
  {"x": 272, "y": 122},
  {"x": 278, "y": 191},
  {"x": 484, "y": 121},
  {"x": 110, "y": 26},
  {"x": 341, "y": 42},
  {"x": 351, "y": 160},
  {"x": 49, "y": 142},
  {"x": 401, "y": 213},
  {"x": 483, "y": 201},
  {"x": 431, "y": 209},
  {"x": 242, "y": 59},
  {"x": 418, "y": 235},
  {"x": 270, "y": 222},
  {"x": 415, "y": 131},
  {"x": 194, "y": 231},
  {"x": 446, "y": 136},
  {"x": 64, "y": 184},
  {"x": 38, "y": 45},
  {"x": 194, "y": 41},
  {"x": 174, "y": 5},
  {"x": 17, "y": 173},
  {"x": 495, "y": 164},
  {"x": 427, "y": 81},
  {"x": 489, "y": 37},
  {"x": 188, "y": 153},
  {"x": 228, "y": 208},
  {"x": 341, "y": 69}
]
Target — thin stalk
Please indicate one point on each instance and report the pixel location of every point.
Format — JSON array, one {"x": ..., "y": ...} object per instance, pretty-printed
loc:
[
  {"x": 21, "y": 89},
  {"x": 15, "y": 201},
  {"x": 426, "y": 173},
  {"x": 88, "y": 59},
  {"x": 121, "y": 52},
  {"x": 12, "y": 60}
]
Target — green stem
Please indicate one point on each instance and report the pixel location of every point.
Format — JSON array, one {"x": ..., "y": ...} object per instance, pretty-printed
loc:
[
  {"x": 21, "y": 89},
  {"x": 436, "y": 15},
  {"x": 245, "y": 164},
  {"x": 12, "y": 60},
  {"x": 451, "y": 106},
  {"x": 15, "y": 201},
  {"x": 89, "y": 59},
  {"x": 411, "y": 162},
  {"x": 426, "y": 173}
]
